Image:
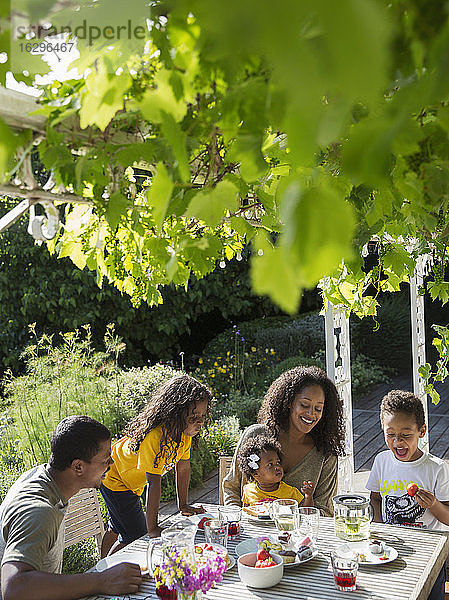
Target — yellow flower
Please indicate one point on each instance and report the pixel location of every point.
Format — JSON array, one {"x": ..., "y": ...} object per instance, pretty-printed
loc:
[
  {"x": 228, "y": 353},
  {"x": 215, "y": 364},
  {"x": 200, "y": 361},
  {"x": 213, "y": 375},
  {"x": 253, "y": 349},
  {"x": 272, "y": 351}
]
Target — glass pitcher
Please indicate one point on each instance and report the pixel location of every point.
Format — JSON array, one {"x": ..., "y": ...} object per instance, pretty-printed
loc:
[
  {"x": 180, "y": 535},
  {"x": 352, "y": 515}
]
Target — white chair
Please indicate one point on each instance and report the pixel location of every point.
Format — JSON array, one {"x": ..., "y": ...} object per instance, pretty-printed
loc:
[
  {"x": 225, "y": 465},
  {"x": 83, "y": 518}
]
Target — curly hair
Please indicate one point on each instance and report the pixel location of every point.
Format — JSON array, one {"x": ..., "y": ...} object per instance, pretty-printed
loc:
[
  {"x": 404, "y": 402},
  {"x": 256, "y": 445},
  {"x": 168, "y": 408},
  {"x": 329, "y": 433}
]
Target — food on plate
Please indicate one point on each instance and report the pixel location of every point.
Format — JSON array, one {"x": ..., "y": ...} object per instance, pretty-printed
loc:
[
  {"x": 412, "y": 489},
  {"x": 201, "y": 523},
  {"x": 304, "y": 552},
  {"x": 284, "y": 537},
  {"x": 205, "y": 550},
  {"x": 269, "y": 545},
  {"x": 306, "y": 542},
  {"x": 260, "y": 510},
  {"x": 288, "y": 556},
  {"x": 376, "y": 546}
]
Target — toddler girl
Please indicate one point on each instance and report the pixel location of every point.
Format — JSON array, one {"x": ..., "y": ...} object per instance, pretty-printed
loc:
[
  {"x": 260, "y": 461},
  {"x": 155, "y": 441}
]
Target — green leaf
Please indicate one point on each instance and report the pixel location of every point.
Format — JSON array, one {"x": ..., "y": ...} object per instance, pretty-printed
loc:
[
  {"x": 115, "y": 208},
  {"x": 425, "y": 371},
  {"x": 211, "y": 205},
  {"x": 159, "y": 195},
  {"x": 247, "y": 152},
  {"x": 8, "y": 145},
  {"x": 319, "y": 226},
  {"x": 162, "y": 100},
  {"x": 103, "y": 97},
  {"x": 398, "y": 260},
  {"x": 439, "y": 291},
  {"x": 273, "y": 274},
  {"x": 177, "y": 140}
]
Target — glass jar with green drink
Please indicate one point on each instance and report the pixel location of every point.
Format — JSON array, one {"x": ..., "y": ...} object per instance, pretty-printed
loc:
[{"x": 352, "y": 515}]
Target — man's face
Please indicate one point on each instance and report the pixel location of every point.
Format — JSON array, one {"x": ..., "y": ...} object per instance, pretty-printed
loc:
[{"x": 96, "y": 469}]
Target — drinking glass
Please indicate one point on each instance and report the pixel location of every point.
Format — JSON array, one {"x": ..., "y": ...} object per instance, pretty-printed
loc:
[
  {"x": 281, "y": 511},
  {"x": 232, "y": 516},
  {"x": 345, "y": 569},
  {"x": 216, "y": 532},
  {"x": 307, "y": 522}
]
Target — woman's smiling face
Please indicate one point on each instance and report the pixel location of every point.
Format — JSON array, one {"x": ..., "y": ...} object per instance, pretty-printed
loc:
[{"x": 307, "y": 408}]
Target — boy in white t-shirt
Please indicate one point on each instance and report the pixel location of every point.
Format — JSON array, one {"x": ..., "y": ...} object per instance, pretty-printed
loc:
[{"x": 409, "y": 487}]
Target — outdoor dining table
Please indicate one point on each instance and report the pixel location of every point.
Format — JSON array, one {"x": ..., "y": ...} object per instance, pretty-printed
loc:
[{"x": 421, "y": 555}]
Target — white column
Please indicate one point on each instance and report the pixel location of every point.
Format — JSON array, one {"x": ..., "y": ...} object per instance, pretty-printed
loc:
[
  {"x": 338, "y": 366},
  {"x": 419, "y": 337}
]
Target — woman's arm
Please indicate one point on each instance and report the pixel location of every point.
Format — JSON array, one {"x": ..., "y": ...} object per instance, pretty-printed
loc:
[
  {"x": 152, "y": 508},
  {"x": 232, "y": 483},
  {"x": 326, "y": 486}
]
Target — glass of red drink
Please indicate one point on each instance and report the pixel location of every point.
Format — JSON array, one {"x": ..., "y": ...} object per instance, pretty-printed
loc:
[
  {"x": 232, "y": 515},
  {"x": 345, "y": 568}
]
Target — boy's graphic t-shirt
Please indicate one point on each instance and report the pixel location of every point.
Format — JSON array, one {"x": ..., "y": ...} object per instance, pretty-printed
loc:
[
  {"x": 390, "y": 477},
  {"x": 130, "y": 468},
  {"x": 253, "y": 494}
]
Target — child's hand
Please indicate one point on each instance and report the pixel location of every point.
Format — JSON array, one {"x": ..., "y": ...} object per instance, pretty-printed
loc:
[
  {"x": 424, "y": 498},
  {"x": 307, "y": 489},
  {"x": 156, "y": 532},
  {"x": 188, "y": 511}
]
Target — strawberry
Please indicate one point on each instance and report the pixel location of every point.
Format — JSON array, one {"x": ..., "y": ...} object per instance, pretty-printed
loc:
[
  {"x": 198, "y": 550},
  {"x": 258, "y": 564},
  {"x": 201, "y": 523},
  {"x": 412, "y": 489},
  {"x": 262, "y": 554},
  {"x": 164, "y": 593},
  {"x": 268, "y": 563}
]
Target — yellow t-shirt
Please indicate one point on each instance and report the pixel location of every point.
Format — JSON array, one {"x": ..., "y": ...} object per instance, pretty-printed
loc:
[
  {"x": 130, "y": 468},
  {"x": 253, "y": 494}
]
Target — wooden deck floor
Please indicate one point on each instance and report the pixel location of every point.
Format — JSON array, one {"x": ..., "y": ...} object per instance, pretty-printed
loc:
[{"x": 368, "y": 437}]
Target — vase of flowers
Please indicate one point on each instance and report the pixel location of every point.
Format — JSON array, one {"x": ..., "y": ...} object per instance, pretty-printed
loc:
[{"x": 180, "y": 577}]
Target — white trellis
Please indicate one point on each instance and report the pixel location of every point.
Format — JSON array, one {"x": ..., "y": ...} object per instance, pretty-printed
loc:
[{"x": 338, "y": 364}]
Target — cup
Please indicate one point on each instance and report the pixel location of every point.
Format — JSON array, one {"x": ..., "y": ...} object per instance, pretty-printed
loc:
[
  {"x": 345, "y": 569},
  {"x": 307, "y": 522},
  {"x": 232, "y": 516},
  {"x": 216, "y": 532},
  {"x": 281, "y": 511}
]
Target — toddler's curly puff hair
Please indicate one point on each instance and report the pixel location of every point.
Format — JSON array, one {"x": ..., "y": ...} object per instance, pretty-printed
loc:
[
  {"x": 329, "y": 433},
  {"x": 256, "y": 445}
]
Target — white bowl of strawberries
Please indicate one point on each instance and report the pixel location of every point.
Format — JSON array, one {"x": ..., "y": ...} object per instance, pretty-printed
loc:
[{"x": 260, "y": 570}]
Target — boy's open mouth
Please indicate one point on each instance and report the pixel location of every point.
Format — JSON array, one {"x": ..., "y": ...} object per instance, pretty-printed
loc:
[{"x": 401, "y": 452}]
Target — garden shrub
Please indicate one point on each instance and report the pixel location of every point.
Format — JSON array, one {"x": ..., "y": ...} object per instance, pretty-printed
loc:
[
  {"x": 137, "y": 384},
  {"x": 300, "y": 336},
  {"x": 80, "y": 557},
  {"x": 387, "y": 337},
  {"x": 243, "y": 406}
]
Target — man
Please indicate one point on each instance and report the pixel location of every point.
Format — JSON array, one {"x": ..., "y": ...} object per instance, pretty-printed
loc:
[{"x": 32, "y": 513}]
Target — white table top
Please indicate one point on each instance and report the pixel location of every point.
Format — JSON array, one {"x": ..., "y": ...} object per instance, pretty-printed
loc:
[{"x": 410, "y": 577}]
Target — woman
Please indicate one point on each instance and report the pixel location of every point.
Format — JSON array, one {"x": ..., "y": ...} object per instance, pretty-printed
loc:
[{"x": 303, "y": 411}]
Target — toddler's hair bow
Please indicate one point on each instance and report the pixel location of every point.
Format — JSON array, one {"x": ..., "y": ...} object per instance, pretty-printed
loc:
[{"x": 253, "y": 461}]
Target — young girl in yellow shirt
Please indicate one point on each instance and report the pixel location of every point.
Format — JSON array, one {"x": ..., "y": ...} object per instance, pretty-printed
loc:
[
  {"x": 260, "y": 461},
  {"x": 155, "y": 441}
]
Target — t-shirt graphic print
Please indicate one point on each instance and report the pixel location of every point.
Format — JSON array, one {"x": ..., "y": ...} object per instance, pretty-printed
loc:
[{"x": 403, "y": 510}]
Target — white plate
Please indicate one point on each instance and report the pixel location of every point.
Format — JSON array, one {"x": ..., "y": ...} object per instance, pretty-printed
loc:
[
  {"x": 232, "y": 565},
  {"x": 370, "y": 558},
  {"x": 252, "y": 545},
  {"x": 138, "y": 558}
]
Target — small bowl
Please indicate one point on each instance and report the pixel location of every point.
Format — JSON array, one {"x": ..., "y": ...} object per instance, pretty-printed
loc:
[{"x": 260, "y": 577}]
